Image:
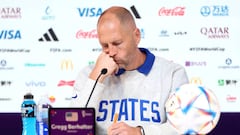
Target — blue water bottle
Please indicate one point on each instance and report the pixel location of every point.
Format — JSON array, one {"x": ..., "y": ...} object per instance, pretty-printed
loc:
[{"x": 28, "y": 110}]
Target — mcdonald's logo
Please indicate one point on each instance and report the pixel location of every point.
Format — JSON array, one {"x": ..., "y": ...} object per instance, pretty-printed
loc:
[
  {"x": 195, "y": 80},
  {"x": 66, "y": 65}
]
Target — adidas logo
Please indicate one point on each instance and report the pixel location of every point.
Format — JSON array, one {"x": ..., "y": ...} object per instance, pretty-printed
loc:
[
  {"x": 135, "y": 12},
  {"x": 48, "y": 36}
]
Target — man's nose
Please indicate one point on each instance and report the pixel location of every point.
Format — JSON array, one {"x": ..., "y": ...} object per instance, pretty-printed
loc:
[{"x": 112, "y": 51}]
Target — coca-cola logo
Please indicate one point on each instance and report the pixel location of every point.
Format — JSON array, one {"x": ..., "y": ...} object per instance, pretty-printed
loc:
[
  {"x": 86, "y": 34},
  {"x": 177, "y": 11}
]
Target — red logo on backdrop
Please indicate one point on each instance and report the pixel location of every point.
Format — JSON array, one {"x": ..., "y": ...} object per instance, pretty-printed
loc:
[
  {"x": 231, "y": 98},
  {"x": 177, "y": 11},
  {"x": 63, "y": 83},
  {"x": 86, "y": 34}
]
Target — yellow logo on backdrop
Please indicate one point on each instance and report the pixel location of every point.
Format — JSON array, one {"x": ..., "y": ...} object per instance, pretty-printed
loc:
[
  {"x": 67, "y": 65},
  {"x": 195, "y": 80}
]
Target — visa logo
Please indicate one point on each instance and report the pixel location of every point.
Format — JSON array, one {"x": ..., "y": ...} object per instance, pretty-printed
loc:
[
  {"x": 89, "y": 12},
  {"x": 10, "y": 34},
  {"x": 35, "y": 84}
]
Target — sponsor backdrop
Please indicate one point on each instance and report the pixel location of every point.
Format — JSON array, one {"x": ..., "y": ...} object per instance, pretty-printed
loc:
[{"x": 44, "y": 44}]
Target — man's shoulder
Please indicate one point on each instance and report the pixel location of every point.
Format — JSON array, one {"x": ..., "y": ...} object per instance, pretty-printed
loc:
[{"x": 165, "y": 63}]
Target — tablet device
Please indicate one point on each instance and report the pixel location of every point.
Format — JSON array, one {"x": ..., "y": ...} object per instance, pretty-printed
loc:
[{"x": 71, "y": 121}]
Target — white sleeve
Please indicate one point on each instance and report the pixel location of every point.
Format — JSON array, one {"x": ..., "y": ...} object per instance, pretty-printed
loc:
[
  {"x": 179, "y": 78},
  {"x": 82, "y": 89}
]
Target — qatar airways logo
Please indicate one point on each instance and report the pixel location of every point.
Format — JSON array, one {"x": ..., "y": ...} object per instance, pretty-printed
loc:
[
  {"x": 86, "y": 34},
  {"x": 177, "y": 11},
  {"x": 10, "y": 12},
  {"x": 215, "y": 32}
]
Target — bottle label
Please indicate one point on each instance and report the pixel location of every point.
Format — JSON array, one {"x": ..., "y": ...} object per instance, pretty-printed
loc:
[{"x": 29, "y": 110}]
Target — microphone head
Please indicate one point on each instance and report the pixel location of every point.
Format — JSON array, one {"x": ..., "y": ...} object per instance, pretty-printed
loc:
[{"x": 104, "y": 71}]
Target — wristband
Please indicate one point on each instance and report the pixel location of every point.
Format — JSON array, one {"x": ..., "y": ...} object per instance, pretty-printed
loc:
[{"x": 142, "y": 130}]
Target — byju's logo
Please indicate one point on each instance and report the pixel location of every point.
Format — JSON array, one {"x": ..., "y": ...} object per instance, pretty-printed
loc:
[
  {"x": 10, "y": 34},
  {"x": 89, "y": 12},
  {"x": 195, "y": 63},
  {"x": 49, "y": 36},
  {"x": 135, "y": 12},
  {"x": 215, "y": 10}
]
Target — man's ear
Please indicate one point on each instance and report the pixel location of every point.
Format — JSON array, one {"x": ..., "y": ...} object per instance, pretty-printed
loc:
[{"x": 137, "y": 35}]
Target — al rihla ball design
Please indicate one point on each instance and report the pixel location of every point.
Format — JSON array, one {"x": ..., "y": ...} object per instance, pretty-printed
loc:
[{"x": 193, "y": 109}]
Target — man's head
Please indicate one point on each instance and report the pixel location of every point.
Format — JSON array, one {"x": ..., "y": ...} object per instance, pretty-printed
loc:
[{"x": 119, "y": 36}]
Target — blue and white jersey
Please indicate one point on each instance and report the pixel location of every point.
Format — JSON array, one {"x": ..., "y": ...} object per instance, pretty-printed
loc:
[{"x": 138, "y": 96}]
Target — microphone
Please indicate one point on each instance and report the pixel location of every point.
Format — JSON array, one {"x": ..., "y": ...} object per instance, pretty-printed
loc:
[{"x": 103, "y": 72}]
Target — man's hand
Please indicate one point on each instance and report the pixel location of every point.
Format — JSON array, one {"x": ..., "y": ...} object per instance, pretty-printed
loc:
[
  {"x": 122, "y": 128},
  {"x": 104, "y": 61}
]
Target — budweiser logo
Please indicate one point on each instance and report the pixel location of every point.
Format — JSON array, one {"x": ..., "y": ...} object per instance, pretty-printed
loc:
[
  {"x": 86, "y": 34},
  {"x": 177, "y": 11}
]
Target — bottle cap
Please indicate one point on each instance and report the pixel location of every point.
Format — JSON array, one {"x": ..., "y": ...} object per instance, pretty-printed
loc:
[{"x": 28, "y": 96}]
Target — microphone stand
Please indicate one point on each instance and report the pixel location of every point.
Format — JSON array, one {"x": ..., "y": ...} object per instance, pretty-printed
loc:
[{"x": 103, "y": 71}]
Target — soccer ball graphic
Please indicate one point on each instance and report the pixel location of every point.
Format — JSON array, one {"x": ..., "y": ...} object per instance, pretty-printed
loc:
[{"x": 193, "y": 109}]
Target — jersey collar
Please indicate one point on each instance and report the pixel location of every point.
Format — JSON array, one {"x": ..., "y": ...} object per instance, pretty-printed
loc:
[{"x": 145, "y": 67}]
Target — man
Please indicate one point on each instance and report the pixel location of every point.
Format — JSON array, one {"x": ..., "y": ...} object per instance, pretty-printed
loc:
[{"x": 136, "y": 85}]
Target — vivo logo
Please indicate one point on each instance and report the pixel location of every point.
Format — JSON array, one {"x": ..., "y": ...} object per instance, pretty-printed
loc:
[
  {"x": 89, "y": 12},
  {"x": 10, "y": 34},
  {"x": 35, "y": 84}
]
